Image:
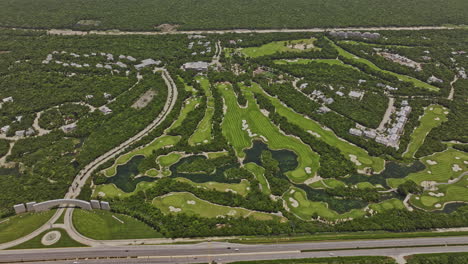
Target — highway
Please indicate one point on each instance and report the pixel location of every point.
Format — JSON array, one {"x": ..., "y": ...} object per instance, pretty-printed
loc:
[{"x": 191, "y": 253}]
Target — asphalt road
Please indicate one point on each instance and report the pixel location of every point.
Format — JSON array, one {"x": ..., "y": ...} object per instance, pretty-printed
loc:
[{"x": 227, "y": 251}]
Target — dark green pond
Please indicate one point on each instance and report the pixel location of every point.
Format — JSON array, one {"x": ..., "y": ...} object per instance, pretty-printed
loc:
[
  {"x": 287, "y": 159},
  {"x": 392, "y": 170},
  {"x": 217, "y": 176},
  {"x": 125, "y": 179}
]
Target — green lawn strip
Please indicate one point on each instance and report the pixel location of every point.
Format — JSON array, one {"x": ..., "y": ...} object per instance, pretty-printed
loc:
[
  {"x": 241, "y": 188},
  {"x": 416, "y": 82},
  {"x": 438, "y": 258},
  {"x": 65, "y": 241},
  {"x": 342, "y": 236},
  {"x": 262, "y": 128},
  {"x": 387, "y": 205},
  {"x": 214, "y": 155},
  {"x": 17, "y": 226},
  {"x": 259, "y": 171},
  {"x": 277, "y": 46},
  {"x": 377, "y": 164},
  {"x": 328, "y": 260},
  {"x": 433, "y": 116},
  {"x": 333, "y": 183},
  {"x": 158, "y": 143},
  {"x": 190, "y": 105},
  {"x": 431, "y": 200},
  {"x": 111, "y": 191},
  {"x": 101, "y": 225},
  {"x": 306, "y": 61},
  {"x": 169, "y": 159},
  {"x": 183, "y": 202},
  {"x": 203, "y": 132},
  {"x": 298, "y": 203}
]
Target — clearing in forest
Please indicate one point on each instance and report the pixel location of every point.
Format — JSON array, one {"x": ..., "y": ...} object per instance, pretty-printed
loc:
[{"x": 280, "y": 46}]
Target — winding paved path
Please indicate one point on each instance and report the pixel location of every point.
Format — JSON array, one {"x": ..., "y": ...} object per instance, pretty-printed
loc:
[{"x": 86, "y": 172}]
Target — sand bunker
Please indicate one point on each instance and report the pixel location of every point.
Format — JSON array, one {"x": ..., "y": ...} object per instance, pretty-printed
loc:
[
  {"x": 294, "y": 203},
  {"x": 436, "y": 194},
  {"x": 174, "y": 209},
  {"x": 313, "y": 133},
  {"x": 431, "y": 162},
  {"x": 191, "y": 202},
  {"x": 232, "y": 213},
  {"x": 308, "y": 170},
  {"x": 354, "y": 159},
  {"x": 456, "y": 168}
]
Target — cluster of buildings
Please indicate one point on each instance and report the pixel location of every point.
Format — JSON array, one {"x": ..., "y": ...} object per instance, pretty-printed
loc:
[
  {"x": 354, "y": 34},
  {"x": 197, "y": 66},
  {"x": 109, "y": 65},
  {"x": 318, "y": 95},
  {"x": 397, "y": 58},
  {"x": 391, "y": 135},
  {"x": 204, "y": 44},
  {"x": 434, "y": 79},
  {"x": 386, "y": 86}
]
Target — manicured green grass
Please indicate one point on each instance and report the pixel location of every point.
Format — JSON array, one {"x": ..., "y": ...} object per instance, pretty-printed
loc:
[
  {"x": 306, "y": 61},
  {"x": 416, "y": 82},
  {"x": 342, "y": 236},
  {"x": 65, "y": 241},
  {"x": 299, "y": 204},
  {"x": 433, "y": 116},
  {"x": 214, "y": 155},
  {"x": 101, "y": 225},
  {"x": 202, "y": 134},
  {"x": 158, "y": 143},
  {"x": 189, "y": 106},
  {"x": 262, "y": 128},
  {"x": 335, "y": 260},
  {"x": 259, "y": 171},
  {"x": 377, "y": 164},
  {"x": 387, "y": 205},
  {"x": 442, "y": 171},
  {"x": 169, "y": 159},
  {"x": 456, "y": 192},
  {"x": 278, "y": 46},
  {"x": 439, "y": 258},
  {"x": 17, "y": 226},
  {"x": 241, "y": 188},
  {"x": 333, "y": 183},
  {"x": 192, "y": 205},
  {"x": 111, "y": 191}
]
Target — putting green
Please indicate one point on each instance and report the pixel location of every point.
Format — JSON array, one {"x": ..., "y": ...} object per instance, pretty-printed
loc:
[
  {"x": 241, "y": 125},
  {"x": 387, "y": 205},
  {"x": 442, "y": 166},
  {"x": 298, "y": 203},
  {"x": 169, "y": 159},
  {"x": 433, "y": 116}
]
